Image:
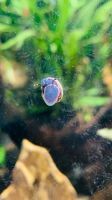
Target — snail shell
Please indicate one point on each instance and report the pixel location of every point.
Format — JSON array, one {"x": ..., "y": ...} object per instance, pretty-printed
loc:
[{"x": 52, "y": 91}]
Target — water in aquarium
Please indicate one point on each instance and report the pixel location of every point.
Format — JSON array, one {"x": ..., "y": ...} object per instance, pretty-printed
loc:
[{"x": 56, "y": 94}]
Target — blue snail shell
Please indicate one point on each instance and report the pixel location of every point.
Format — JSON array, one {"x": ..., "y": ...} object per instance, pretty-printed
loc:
[{"x": 52, "y": 91}]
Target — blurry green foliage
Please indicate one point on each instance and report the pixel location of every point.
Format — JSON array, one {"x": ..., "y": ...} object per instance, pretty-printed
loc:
[
  {"x": 2, "y": 156},
  {"x": 67, "y": 39},
  {"x": 105, "y": 133}
]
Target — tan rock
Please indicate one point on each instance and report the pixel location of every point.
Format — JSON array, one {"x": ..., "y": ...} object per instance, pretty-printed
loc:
[{"x": 35, "y": 177}]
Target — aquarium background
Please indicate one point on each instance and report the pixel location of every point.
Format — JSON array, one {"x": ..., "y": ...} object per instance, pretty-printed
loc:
[{"x": 70, "y": 40}]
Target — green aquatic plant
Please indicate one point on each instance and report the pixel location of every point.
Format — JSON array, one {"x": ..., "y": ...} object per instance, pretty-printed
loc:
[
  {"x": 2, "y": 156},
  {"x": 67, "y": 39}
]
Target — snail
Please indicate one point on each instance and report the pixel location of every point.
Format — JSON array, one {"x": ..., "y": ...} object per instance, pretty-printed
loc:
[{"x": 52, "y": 91}]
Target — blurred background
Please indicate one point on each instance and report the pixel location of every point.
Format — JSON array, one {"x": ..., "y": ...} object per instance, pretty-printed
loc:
[{"x": 67, "y": 39}]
